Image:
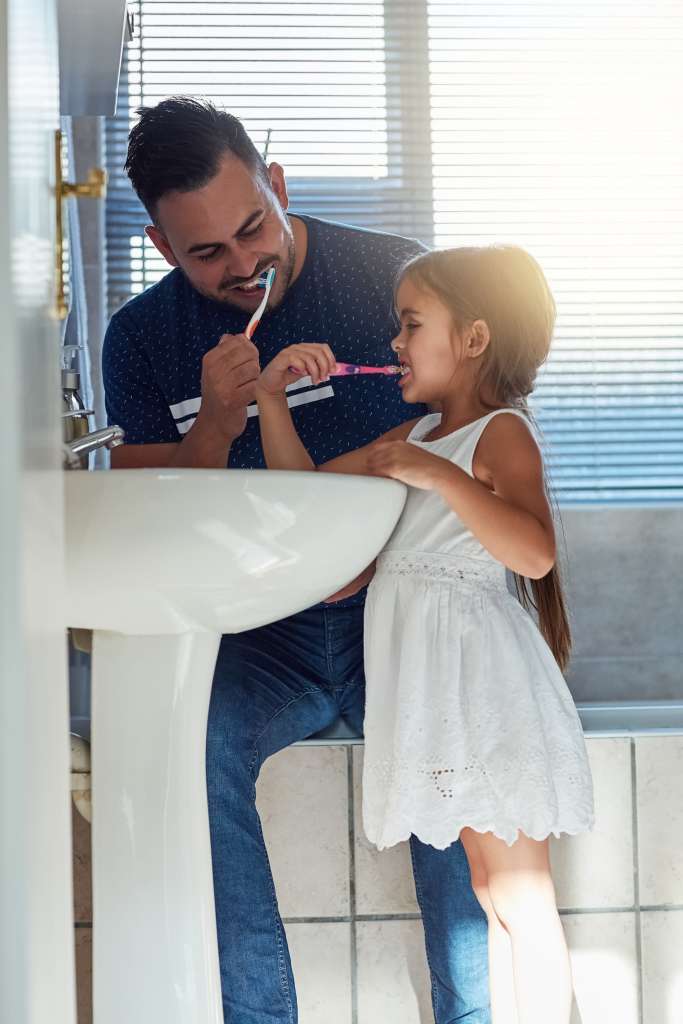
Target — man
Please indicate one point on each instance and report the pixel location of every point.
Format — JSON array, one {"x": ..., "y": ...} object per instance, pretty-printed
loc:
[{"x": 179, "y": 377}]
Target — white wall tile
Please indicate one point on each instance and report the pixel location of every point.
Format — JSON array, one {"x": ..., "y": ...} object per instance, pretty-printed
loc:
[
  {"x": 603, "y": 954},
  {"x": 596, "y": 869},
  {"x": 321, "y": 960},
  {"x": 302, "y": 797},
  {"x": 659, "y": 775},
  {"x": 393, "y": 980},
  {"x": 384, "y": 879},
  {"x": 662, "y": 936}
]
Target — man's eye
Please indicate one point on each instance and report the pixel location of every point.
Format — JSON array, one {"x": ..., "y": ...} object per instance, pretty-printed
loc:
[
  {"x": 208, "y": 255},
  {"x": 252, "y": 231}
]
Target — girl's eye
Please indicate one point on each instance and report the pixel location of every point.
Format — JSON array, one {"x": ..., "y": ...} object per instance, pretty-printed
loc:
[{"x": 411, "y": 327}]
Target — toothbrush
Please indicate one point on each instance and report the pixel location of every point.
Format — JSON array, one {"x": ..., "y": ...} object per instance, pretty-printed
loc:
[
  {"x": 353, "y": 369},
  {"x": 256, "y": 318},
  {"x": 349, "y": 369}
]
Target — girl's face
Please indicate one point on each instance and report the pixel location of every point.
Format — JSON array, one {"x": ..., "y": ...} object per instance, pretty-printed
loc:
[{"x": 428, "y": 346}]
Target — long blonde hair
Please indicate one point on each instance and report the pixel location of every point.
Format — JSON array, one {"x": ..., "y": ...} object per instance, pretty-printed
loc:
[{"x": 504, "y": 286}]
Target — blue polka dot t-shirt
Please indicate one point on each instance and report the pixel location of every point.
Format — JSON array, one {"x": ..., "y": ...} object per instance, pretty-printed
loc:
[{"x": 153, "y": 349}]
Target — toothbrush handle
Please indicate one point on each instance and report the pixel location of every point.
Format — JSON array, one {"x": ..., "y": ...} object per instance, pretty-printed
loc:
[
  {"x": 353, "y": 370},
  {"x": 258, "y": 313}
]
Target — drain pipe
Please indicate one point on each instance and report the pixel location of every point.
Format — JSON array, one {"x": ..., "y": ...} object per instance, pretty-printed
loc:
[{"x": 80, "y": 776}]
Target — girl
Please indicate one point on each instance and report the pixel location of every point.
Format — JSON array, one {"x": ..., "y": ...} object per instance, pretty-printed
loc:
[{"x": 470, "y": 729}]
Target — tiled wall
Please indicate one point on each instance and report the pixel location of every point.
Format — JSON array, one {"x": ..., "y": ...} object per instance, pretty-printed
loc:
[{"x": 352, "y": 920}]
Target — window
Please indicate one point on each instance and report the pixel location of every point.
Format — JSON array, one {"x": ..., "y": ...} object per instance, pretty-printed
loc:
[
  {"x": 328, "y": 82},
  {"x": 551, "y": 125}
]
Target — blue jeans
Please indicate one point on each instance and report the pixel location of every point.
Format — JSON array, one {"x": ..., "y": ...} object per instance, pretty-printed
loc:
[{"x": 273, "y": 686}]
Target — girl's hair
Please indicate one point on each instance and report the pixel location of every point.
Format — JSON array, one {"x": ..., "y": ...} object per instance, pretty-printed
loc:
[{"x": 504, "y": 286}]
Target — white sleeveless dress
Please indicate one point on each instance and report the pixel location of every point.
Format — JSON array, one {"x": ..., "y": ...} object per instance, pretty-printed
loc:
[{"x": 469, "y": 721}]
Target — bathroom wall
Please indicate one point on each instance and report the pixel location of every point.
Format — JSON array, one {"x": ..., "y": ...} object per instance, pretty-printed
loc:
[
  {"x": 625, "y": 595},
  {"x": 352, "y": 920}
]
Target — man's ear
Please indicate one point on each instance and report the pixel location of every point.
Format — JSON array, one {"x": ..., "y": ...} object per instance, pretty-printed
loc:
[
  {"x": 478, "y": 339},
  {"x": 160, "y": 243},
  {"x": 278, "y": 184}
]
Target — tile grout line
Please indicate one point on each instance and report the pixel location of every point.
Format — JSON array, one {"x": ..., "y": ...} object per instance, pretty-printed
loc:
[
  {"x": 670, "y": 908},
  {"x": 362, "y": 918},
  {"x": 352, "y": 885},
  {"x": 636, "y": 879}
]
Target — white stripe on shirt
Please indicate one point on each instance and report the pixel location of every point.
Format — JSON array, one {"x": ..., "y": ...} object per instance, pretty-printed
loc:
[{"x": 192, "y": 405}]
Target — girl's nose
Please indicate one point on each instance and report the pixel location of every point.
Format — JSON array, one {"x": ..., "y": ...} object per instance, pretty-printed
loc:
[{"x": 396, "y": 344}]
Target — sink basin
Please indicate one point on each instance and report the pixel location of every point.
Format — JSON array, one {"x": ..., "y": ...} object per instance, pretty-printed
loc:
[
  {"x": 177, "y": 551},
  {"x": 160, "y": 563}
]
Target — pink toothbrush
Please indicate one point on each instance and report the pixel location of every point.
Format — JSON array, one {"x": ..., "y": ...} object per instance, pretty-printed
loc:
[
  {"x": 347, "y": 369},
  {"x": 352, "y": 369}
]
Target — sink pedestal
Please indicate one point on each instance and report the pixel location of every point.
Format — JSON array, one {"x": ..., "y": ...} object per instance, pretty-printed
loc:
[
  {"x": 159, "y": 564},
  {"x": 154, "y": 941}
]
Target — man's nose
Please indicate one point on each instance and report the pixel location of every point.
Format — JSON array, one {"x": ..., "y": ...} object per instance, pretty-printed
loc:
[{"x": 242, "y": 265}]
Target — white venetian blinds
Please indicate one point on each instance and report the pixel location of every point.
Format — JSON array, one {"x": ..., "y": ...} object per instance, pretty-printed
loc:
[
  {"x": 557, "y": 126},
  {"x": 331, "y": 83},
  {"x": 552, "y": 125}
]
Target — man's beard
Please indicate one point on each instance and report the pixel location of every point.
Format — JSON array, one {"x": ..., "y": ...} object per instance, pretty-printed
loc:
[{"x": 284, "y": 268}]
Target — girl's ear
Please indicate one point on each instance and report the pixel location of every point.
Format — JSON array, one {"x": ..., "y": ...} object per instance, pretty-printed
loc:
[{"x": 478, "y": 338}]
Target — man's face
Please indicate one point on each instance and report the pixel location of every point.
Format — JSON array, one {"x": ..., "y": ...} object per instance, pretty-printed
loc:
[{"x": 227, "y": 233}]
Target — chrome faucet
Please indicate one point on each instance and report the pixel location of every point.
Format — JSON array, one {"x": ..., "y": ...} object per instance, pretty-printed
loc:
[{"x": 76, "y": 451}]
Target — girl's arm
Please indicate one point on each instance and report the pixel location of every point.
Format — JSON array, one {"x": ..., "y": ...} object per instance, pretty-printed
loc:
[
  {"x": 282, "y": 445},
  {"x": 504, "y": 505}
]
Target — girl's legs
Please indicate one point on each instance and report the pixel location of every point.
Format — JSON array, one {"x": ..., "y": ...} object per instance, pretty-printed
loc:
[
  {"x": 521, "y": 891},
  {"x": 501, "y": 981}
]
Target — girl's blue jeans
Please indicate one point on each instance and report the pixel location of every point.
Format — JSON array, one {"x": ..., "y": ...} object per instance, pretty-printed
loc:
[{"x": 273, "y": 686}]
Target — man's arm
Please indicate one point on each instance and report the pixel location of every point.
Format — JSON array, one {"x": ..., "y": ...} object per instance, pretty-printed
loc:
[
  {"x": 229, "y": 375},
  {"x": 199, "y": 448}
]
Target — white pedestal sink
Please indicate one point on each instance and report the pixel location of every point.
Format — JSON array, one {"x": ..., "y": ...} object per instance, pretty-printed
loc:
[{"x": 160, "y": 563}]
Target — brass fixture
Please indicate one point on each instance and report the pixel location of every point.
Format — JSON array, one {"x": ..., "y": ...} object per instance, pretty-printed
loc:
[{"x": 94, "y": 188}]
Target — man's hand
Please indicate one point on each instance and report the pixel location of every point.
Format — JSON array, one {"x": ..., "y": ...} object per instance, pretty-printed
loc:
[
  {"x": 229, "y": 375},
  {"x": 354, "y": 586}
]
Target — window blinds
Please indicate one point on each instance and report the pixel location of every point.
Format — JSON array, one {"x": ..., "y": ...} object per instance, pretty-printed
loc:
[
  {"x": 550, "y": 125},
  {"x": 336, "y": 86},
  {"x": 556, "y": 126}
]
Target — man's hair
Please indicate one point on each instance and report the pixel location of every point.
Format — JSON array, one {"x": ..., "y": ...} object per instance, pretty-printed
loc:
[{"x": 178, "y": 145}]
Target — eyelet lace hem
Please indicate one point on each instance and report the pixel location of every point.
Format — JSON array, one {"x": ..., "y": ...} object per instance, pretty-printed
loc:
[
  {"x": 446, "y": 798},
  {"x": 461, "y": 571},
  {"x": 444, "y": 834}
]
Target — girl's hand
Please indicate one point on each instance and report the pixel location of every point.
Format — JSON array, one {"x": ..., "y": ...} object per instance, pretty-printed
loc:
[
  {"x": 314, "y": 360},
  {"x": 403, "y": 461}
]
